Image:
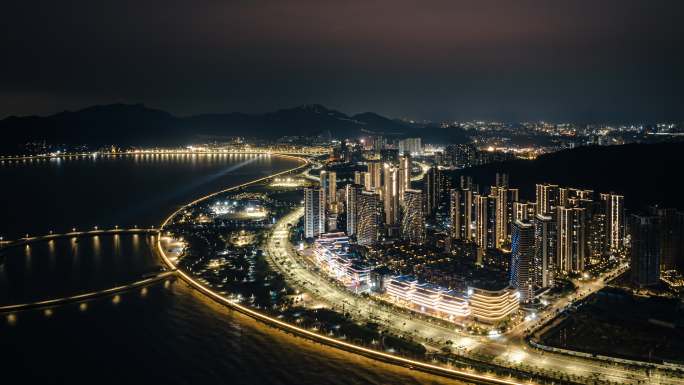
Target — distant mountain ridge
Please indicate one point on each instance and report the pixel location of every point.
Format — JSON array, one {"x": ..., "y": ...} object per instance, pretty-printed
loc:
[{"x": 136, "y": 124}]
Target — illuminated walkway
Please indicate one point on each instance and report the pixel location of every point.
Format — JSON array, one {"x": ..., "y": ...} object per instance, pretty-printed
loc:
[
  {"x": 86, "y": 296},
  {"x": 75, "y": 233}
]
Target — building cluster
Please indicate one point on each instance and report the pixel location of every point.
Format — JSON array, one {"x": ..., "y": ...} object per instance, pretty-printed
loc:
[
  {"x": 407, "y": 146},
  {"x": 410, "y": 146},
  {"x": 379, "y": 204},
  {"x": 562, "y": 232},
  {"x": 389, "y": 150},
  {"x": 467, "y": 155},
  {"x": 242, "y": 210},
  {"x": 333, "y": 253}
]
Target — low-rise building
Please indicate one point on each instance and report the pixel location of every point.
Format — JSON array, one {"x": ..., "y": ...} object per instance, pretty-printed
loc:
[
  {"x": 491, "y": 306},
  {"x": 332, "y": 253},
  {"x": 428, "y": 298}
]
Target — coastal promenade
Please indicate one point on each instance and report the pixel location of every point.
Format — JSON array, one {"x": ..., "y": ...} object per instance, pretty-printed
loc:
[{"x": 170, "y": 258}]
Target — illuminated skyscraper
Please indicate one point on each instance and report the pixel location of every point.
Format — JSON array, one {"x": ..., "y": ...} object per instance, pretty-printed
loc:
[
  {"x": 567, "y": 195},
  {"x": 410, "y": 146},
  {"x": 324, "y": 183},
  {"x": 329, "y": 184},
  {"x": 462, "y": 213},
  {"x": 505, "y": 197},
  {"x": 485, "y": 209},
  {"x": 544, "y": 250},
  {"x": 548, "y": 197},
  {"x": 413, "y": 220},
  {"x": 352, "y": 192},
  {"x": 368, "y": 218},
  {"x": 522, "y": 275},
  {"x": 433, "y": 188},
  {"x": 390, "y": 194},
  {"x": 596, "y": 231},
  {"x": 375, "y": 176},
  {"x": 314, "y": 212},
  {"x": 360, "y": 177},
  {"x": 332, "y": 188},
  {"x": 524, "y": 211},
  {"x": 404, "y": 175},
  {"x": 378, "y": 142},
  {"x": 615, "y": 221},
  {"x": 500, "y": 222},
  {"x": 571, "y": 244},
  {"x": 461, "y": 155}
]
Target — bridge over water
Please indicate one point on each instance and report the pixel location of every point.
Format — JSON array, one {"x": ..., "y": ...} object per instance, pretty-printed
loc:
[
  {"x": 145, "y": 281},
  {"x": 74, "y": 233}
]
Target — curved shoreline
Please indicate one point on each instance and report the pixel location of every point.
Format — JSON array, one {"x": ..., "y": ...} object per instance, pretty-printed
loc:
[{"x": 381, "y": 356}]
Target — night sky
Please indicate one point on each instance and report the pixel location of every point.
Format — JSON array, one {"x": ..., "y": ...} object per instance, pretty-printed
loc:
[{"x": 583, "y": 61}]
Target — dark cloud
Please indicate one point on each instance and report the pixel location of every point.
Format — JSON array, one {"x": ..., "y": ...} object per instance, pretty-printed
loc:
[{"x": 514, "y": 60}]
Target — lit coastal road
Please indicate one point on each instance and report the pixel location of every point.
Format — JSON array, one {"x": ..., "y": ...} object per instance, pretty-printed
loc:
[{"x": 509, "y": 350}]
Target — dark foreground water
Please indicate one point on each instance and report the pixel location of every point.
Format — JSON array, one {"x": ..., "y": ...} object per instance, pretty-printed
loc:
[
  {"x": 163, "y": 333},
  {"x": 172, "y": 336}
]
